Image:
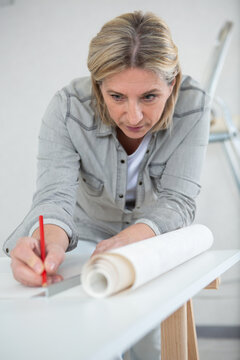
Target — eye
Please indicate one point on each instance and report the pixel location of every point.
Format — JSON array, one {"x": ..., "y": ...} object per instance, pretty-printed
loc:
[
  {"x": 149, "y": 97},
  {"x": 117, "y": 97}
]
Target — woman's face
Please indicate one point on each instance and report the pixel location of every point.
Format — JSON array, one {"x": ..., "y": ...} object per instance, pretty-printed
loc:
[{"x": 135, "y": 99}]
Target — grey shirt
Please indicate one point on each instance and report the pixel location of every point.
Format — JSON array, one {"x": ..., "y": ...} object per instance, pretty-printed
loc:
[{"x": 82, "y": 169}]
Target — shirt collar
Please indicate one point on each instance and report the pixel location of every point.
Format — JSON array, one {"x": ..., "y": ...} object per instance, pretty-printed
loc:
[{"x": 104, "y": 129}]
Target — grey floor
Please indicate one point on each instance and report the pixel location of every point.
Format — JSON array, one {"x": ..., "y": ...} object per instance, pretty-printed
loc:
[{"x": 219, "y": 349}]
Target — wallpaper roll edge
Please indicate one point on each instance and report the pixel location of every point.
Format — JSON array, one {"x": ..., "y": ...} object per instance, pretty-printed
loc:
[{"x": 106, "y": 274}]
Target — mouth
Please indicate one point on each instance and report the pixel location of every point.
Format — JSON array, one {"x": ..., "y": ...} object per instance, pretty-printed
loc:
[{"x": 134, "y": 128}]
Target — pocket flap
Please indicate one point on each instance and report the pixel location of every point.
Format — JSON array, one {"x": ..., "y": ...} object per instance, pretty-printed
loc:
[
  {"x": 156, "y": 169},
  {"x": 92, "y": 181}
]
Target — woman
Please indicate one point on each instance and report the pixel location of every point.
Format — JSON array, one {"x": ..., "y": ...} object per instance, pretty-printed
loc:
[{"x": 120, "y": 153}]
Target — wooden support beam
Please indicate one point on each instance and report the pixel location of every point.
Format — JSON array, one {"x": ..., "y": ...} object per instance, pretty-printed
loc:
[
  {"x": 174, "y": 336},
  {"x": 214, "y": 284},
  {"x": 178, "y": 332},
  {"x": 193, "y": 353}
]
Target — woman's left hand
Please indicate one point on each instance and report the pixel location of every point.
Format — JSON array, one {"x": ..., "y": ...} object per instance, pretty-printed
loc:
[
  {"x": 109, "y": 244},
  {"x": 131, "y": 234}
]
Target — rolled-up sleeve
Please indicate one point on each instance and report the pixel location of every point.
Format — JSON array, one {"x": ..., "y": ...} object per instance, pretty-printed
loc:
[
  {"x": 179, "y": 183},
  {"x": 58, "y": 165}
]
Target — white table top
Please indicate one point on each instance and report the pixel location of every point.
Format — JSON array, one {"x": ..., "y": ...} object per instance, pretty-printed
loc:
[{"x": 74, "y": 326}]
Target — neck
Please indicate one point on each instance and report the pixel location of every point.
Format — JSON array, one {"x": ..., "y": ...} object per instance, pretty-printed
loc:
[{"x": 129, "y": 145}]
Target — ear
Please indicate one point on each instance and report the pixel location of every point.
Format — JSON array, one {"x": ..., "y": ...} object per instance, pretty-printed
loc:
[{"x": 173, "y": 82}]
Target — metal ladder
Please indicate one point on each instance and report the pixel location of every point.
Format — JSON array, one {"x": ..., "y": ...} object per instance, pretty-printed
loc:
[{"x": 230, "y": 138}]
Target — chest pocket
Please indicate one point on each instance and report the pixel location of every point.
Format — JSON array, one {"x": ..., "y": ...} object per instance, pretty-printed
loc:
[
  {"x": 92, "y": 185},
  {"x": 155, "y": 171}
]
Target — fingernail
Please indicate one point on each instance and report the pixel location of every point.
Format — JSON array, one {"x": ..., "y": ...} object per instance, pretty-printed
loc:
[
  {"x": 50, "y": 265},
  {"x": 56, "y": 279},
  {"x": 38, "y": 268}
]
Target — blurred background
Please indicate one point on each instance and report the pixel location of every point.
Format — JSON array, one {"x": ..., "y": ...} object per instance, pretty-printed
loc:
[{"x": 44, "y": 45}]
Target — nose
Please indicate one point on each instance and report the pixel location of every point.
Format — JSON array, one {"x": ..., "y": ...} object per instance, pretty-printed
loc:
[{"x": 134, "y": 113}]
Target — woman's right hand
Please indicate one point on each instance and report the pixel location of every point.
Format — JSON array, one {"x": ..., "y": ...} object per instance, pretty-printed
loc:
[{"x": 27, "y": 265}]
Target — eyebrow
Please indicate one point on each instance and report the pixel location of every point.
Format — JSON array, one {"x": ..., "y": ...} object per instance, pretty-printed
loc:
[{"x": 145, "y": 93}]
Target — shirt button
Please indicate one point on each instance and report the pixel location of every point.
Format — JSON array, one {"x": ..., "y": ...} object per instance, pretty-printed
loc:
[
  {"x": 147, "y": 151},
  {"x": 122, "y": 161},
  {"x": 140, "y": 183},
  {"x": 127, "y": 222},
  {"x": 121, "y": 196}
]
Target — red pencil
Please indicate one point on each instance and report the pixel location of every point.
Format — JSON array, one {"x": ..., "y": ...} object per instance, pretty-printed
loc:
[{"x": 42, "y": 247}]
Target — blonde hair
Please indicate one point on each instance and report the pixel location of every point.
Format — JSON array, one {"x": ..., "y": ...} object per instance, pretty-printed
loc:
[{"x": 134, "y": 40}]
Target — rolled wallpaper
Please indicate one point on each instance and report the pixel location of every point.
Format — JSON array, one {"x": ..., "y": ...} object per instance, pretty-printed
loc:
[{"x": 133, "y": 265}]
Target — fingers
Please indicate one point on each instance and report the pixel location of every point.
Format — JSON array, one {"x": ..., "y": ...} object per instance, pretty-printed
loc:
[
  {"x": 54, "y": 258},
  {"x": 27, "y": 265},
  {"x": 26, "y": 252},
  {"x": 25, "y": 274},
  {"x": 28, "y": 277},
  {"x": 106, "y": 245}
]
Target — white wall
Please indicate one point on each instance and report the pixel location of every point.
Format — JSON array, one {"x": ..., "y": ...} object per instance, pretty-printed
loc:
[{"x": 44, "y": 44}]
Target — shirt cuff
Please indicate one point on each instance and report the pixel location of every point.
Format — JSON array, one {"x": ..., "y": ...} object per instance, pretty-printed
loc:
[
  {"x": 65, "y": 227},
  {"x": 150, "y": 223}
]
